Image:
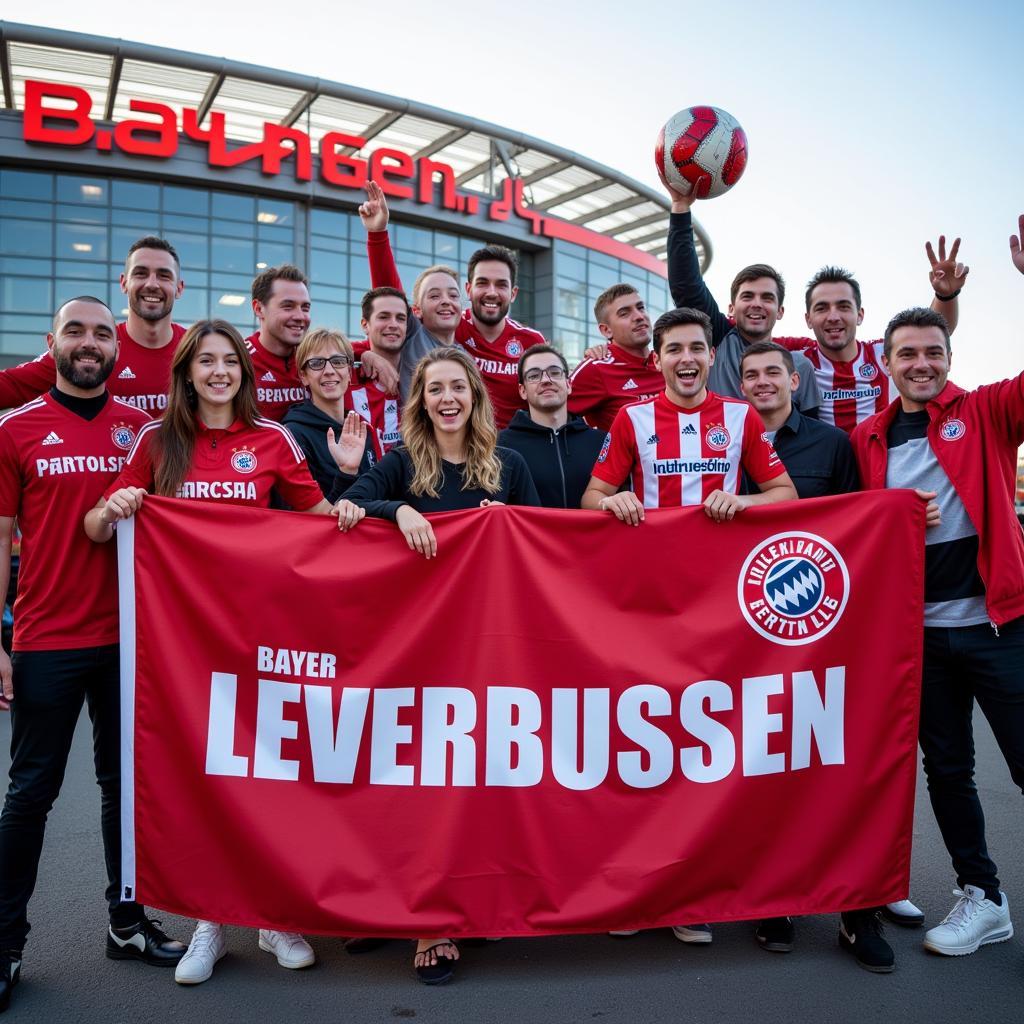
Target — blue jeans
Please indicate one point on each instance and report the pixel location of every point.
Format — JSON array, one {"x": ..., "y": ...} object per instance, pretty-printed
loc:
[{"x": 962, "y": 665}]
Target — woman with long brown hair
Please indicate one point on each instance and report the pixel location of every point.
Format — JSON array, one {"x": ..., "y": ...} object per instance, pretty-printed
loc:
[
  {"x": 449, "y": 459},
  {"x": 212, "y": 445}
]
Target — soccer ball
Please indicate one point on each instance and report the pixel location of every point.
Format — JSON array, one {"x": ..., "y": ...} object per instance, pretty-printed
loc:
[{"x": 701, "y": 151}]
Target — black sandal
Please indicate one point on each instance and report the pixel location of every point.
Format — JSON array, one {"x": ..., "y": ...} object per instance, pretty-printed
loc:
[{"x": 439, "y": 973}]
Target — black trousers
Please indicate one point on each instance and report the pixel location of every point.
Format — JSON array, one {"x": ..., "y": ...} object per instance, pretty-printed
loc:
[
  {"x": 50, "y": 688},
  {"x": 962, "y": 665}
]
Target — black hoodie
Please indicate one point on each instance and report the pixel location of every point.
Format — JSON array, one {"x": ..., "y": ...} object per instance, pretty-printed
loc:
[
  {"x": 308, "y": 425},
  {"x": 560, "y": 461}
]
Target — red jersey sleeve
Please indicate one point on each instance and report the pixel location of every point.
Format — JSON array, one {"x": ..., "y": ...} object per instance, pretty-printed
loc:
[
  {"x": 588, "y": 391},
  {"x": 759, "y": 457},
  {"x": 618, "y": 454},
  {"x": 10, "y": 476},
  {"x": 138, "y": 466},
  {"x": 383, "y": 270},
  {"x": 795, "y": 344},
  {"x": 294, "y": 481},
  {"x": 20, "y": 384}
]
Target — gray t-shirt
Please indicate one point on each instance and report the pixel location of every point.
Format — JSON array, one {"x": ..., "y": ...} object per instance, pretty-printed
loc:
[{"x": 418, "y": 342}]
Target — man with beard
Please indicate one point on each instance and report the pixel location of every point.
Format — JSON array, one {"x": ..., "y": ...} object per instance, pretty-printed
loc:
[
  {"x": 147, "y": 340},
  {"x": 280, "y": 300},
  {"x": 57, "y": 453}
]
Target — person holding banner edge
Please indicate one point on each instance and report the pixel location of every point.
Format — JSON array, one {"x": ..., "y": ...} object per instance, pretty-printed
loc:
[
  {"x": 449, "y": 460},
  {"x": 212, "y": 445}
]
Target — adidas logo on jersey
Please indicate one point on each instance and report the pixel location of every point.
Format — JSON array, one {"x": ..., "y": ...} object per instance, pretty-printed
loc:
[
  {"x": 630, "y": 385},
  {"x": 268, "y": 376},
  {"x": 126, "y": 374},
  {"x": 654, "y": 439},
  {"x": 688, "y": 429},
  {"x": 52, "y": 438}
]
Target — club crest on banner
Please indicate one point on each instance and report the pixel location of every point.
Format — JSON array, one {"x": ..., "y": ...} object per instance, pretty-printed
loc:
[{"x": 793, "y": 588}]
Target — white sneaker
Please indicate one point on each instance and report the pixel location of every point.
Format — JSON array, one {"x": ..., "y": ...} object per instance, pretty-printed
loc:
[
  {"x": 904, "y": 913},
  {"x": 205, "y": 949},
  {"x": 290, "y": 948},
  {"x": 973, "y": 922},
  {"x": 695, "y": 934}
]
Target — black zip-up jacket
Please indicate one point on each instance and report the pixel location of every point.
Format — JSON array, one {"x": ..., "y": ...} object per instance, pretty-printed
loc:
[
  {"x": 560, "y": 461},
  {"x": 308, "y": 425}
]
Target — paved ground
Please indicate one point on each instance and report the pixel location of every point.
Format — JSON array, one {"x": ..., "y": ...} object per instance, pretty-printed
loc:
[{"x": 650, "y": 978}]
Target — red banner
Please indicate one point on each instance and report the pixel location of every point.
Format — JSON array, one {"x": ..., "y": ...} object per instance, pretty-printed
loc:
[{"x": 560, "y": 724}]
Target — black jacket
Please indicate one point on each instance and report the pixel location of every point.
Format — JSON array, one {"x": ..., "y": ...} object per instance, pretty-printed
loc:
[
  {"x": 560, "y": 461},
  {"x": 308, "y": 425}
]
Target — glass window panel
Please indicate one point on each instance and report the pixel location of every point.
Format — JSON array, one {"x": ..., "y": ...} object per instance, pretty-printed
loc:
[
  {"x": 276, "y": 234},
  {"x": 603, "y": 277},
  {"x": 570, "y": 304},
  {"x": 186, "y": 200},
  {"x": 83, "y": 271},
  {"x": 27, "y": 294},
  {"x": 135, "y": 195},
  {"x": 175, "y": 222},
  {"x": 196, "y": 279},
  {"x": 233, "y": 207},
  {"x": 25, "y": 266},
  {"x": 81, "y": 241},
  {"x": 28, "y": 323},
  {"x": 408, "y": 272},
  {"x": 272, "y": 211},
  {"x": 24, "y": 346},
  {"x": 446, "y": 248},
  {"x": 468, "y": 246},
  {"x": 26, "y": 208},
  {"x": 330, "y": 223},
  {"x": 322, "y": 293},
  {"x": 232, "y": 228},
  {"x": 233, "y": 254},
  {"x": 570, "y": 268},
  {"x": 329, "y": 267},
  {"x": 193, "y": 250},
  {"x": 273, "y": 254},
  {"x": 601, "y": 259},
  {"x": 193, "y": 305},
  {"x": 26, "y": 185},
  {"x": 231, "y": 282},
  {"x": 26, "y": 237},
  {"x": 142, "y": 222},
  {"x": 77, "y": 214},
  {"x": 358, "y": 272},
  {"x": 332, "y": 314},
  {"x": 94, "y": 191},
  {"x": 414, "y": 239}
]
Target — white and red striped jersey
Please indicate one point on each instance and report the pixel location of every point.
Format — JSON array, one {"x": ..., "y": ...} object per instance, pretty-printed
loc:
[
  {"x": 381, "y": 410},
  {"x": 678, "y": 456},
  {"x": 852, "y": 391}
]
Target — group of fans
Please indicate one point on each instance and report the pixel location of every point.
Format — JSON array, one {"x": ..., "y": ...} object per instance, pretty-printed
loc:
[{"x": 443, "y": 408}]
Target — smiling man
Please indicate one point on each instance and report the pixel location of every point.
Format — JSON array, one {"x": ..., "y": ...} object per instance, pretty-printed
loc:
[
  {"x": 688, "y": 445},
  {"x": 280, "y": 300},
  {"x": 146, "y": 341},
  {"x": 961, "y": 448}
]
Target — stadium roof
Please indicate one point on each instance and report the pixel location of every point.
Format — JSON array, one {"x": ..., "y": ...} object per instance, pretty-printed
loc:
[{"x": 556, "y": 181}]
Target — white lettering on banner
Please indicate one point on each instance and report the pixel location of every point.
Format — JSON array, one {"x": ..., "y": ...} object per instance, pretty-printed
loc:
[{"x": 582, "y": 752}]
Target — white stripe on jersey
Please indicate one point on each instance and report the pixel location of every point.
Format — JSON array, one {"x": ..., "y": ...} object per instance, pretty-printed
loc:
[
  {"x": 691, "y": 450},
  {"x": 300, "y": 455},
  {"x": 27, "y": 407},
  {"x": 152, "y": 425},
  {"x": 735, "y": 417},
  {"x": 642, "y": 417}
]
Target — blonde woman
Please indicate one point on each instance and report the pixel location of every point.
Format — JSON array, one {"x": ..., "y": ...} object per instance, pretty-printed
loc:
[{"x": 449, "y": 460}]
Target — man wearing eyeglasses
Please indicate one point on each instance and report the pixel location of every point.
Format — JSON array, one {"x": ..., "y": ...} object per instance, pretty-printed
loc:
[{"x": 558, "y": 448}]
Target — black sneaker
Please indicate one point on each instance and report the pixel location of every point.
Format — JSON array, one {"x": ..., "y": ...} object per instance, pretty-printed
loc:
[
  {"x": 144, "y": 941},
  {"x": 860, "y": 933},
  {"x": 775, "y": 934},
  {"x": 10, "y": 972}
]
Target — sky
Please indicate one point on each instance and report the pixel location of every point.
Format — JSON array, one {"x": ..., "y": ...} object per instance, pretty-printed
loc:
[{"x": 872, "y": 127}]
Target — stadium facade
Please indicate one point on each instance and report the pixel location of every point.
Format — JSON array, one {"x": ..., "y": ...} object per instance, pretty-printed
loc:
[{"x": 242, "y": 167}]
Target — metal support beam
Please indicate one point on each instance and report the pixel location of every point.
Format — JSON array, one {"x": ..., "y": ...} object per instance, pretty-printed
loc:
[
  {"x": 642, "y": 222},
  {"x": 566, "y": 197},
  {"x": 651, "y": 236},
  {"x": 115, "y": 81},
  {"x": 209, "y": 96},
  {"x": 5, "y": 72},
  {"x": 622, "y": 204},
  {"x": 545, "y": 172},
  {"x": 442, "y": 143},
  {"x": 302, "y": 104},
  {"x": 384, "y": 121}
]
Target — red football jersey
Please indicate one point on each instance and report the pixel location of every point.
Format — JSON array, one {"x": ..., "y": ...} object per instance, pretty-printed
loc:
[
  {"x": 54, "y": 466},
  {"x": 601, "y": 387},
  {"x": 498, "y": 361},
  {"x": 278, "y": 387},
  {"x": 381, "y": 410},
  {"x": 141, "y": 375},
  {"x": 679, "y": 456},
  {"x": 850, "y": 392},
  {"x": 240, "y": 466}
]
